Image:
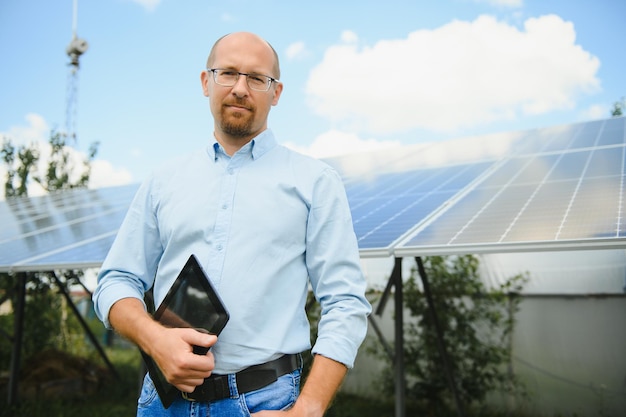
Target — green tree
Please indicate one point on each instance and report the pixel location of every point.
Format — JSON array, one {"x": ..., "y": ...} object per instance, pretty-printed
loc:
[
  {"x": 619, "y": 107},
  {"x": 21, "y": 164},
  {"x": 477, "y": 325}
]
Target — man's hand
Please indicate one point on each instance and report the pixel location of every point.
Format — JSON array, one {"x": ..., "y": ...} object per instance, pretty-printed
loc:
[
  {"x": 171, "y": 349},
  {"x": 174, "y": 355},
  {"x": 321, "y": 385},
  {"x": 300, "y": 409}
]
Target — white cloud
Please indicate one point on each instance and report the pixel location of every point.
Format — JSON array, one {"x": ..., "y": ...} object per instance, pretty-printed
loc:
[
  {"x": 104, "y": 174},
  {"x": 37, "y": 132},
  {"x": 356, "y": 157},
  {"x": 348, "y": 36},
  {"x": 595, "y": 112},
  {"x": 335, "y": 143},
  {"x": 462, "y": 74},
  {"x": 296, "y": 50},
  {"x": 149, "y": 5}
]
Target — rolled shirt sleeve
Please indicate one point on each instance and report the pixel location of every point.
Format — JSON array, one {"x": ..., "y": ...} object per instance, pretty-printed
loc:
[{"x": 334, "y": 269}]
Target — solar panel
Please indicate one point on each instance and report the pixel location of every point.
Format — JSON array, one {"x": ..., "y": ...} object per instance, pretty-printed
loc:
[
  {"x": 384, "y": 209},
  {"x": 72, "y": 228},
  {"x": 569, "y": 194},
  {"x": 553, "y": 188}
]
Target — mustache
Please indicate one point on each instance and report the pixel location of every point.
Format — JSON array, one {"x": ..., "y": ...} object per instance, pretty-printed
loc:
[{"x": 240, "y": 103}]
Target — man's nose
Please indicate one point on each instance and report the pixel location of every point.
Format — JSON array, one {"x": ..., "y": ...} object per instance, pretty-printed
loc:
[{"x": 240, "y": 88}]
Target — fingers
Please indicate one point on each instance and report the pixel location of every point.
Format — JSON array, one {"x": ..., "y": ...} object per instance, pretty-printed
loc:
[
  {"x": 189, "y": 370},
  {"x": 175, "y": 356},
  {"x": 198, "y": 337},
  {"x": 188, "y": 386},
  {"x": 194, "y": 369}
]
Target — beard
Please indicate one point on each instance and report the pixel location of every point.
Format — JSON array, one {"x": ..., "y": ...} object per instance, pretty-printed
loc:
[
  {"x": 237, "y": 127},
  {"x": 237, "y": 124}
]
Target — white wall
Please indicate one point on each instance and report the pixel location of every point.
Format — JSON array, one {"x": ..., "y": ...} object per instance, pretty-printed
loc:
[{"x": 569, "y": 343}]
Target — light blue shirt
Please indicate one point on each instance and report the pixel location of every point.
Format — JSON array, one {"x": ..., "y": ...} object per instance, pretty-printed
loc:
[{"x": 264, "y": 223}]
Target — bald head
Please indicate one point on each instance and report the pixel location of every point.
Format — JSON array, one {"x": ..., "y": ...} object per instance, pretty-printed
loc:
[{"x": 246, "y": 37}]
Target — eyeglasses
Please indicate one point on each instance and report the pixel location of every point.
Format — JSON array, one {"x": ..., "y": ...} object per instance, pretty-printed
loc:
[{"x": 228, "y": 78}]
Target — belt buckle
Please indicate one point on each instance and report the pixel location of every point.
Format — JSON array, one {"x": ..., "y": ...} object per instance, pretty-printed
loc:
[{"x": 186, "y": 396}]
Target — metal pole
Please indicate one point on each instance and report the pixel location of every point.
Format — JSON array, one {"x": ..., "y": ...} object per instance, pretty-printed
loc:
[
  {"x": 440, "y": 341},
  {"x": 397, "y": 356},
  {"x": 381, "y": 338},
  {"x": 84, "y": 325},
  {"x": 400, "y": 385},
  {"x": 18, "y": 332}
]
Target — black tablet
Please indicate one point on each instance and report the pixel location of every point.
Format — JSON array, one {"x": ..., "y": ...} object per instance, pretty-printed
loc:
[{"x": 191, "y": 302}]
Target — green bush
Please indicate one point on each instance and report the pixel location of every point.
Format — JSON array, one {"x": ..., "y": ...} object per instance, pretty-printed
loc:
[
  {"x": 477, "y": 325},
  {"x": 48, "y": 321},
  {"x": 113, "y": 397}
]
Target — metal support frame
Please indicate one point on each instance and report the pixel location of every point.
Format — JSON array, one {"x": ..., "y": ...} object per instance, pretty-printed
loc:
[
  {"x": 84, "y": 325},
  {"x": 18, "y": 333},
  {"x": 395, "y": 280},
  {"x": 397, "y": 355},
  {"x": 441, "y": 345},
  {"x": 399, "y": 340}
]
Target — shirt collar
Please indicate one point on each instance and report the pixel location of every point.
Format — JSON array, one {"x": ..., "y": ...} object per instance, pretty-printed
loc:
[
  {"x": 258, "y": 146},
  {"x": 263, "y": 143}
]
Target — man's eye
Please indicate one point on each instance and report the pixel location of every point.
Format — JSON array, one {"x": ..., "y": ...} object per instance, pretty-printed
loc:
[{"x": 256, "y": 78}]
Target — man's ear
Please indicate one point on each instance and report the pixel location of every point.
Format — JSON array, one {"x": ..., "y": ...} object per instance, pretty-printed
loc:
[
  {"x": 277, "y": 92},
  {"x": 204, "y": 79}
]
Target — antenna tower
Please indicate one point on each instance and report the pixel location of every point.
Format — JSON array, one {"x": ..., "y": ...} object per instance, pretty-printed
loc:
[{"x": 74, "y": 50}]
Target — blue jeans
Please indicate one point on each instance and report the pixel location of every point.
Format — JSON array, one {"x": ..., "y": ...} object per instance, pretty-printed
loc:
[{"x": 279, "y": 395}]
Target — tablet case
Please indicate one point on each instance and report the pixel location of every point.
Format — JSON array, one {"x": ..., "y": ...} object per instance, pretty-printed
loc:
[{"x": 191, "y": 302}]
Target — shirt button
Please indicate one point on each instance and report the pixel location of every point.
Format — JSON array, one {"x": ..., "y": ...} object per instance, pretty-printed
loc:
[
  {"x": 219, "y": 247},
  {"x": 230, "y": 171},
  {"x": 224, "y": 206}
]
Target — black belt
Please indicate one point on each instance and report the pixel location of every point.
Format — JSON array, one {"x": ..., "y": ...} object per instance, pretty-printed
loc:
[{"x": 216, "y": 387}]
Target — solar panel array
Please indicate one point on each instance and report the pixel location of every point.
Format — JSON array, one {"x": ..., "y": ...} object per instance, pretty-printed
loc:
[
  {"x": 70, "y": 229},
  {"x": 385, "y": 208},
  {"x": 554, "y": 188},
  {"x": 560, "y": 189}
]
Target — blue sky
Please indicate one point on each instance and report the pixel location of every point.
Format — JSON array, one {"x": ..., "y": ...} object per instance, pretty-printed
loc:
[{"x": 358, "y": 75}]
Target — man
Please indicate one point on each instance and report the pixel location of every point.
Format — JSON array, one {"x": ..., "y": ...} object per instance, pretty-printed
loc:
[{"x": 266, "y": 223}]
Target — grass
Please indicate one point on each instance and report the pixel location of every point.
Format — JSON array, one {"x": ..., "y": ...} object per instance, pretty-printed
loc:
[
  {"x": 118, "y": 398},
  {"x": 113, "y": 397},
  {"x": 346, "y": 405}
]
